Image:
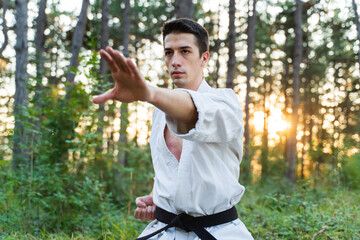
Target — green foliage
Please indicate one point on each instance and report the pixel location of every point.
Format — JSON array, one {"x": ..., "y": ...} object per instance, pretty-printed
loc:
[
  {"x": 115, "y": 225},
  {"x": 268, "y": 212},
  {"x": 350, "y": 168},
  {"x": 121, "y": 226},
  {"x": 272, "y": 213},
  {"x": 49, "y": 198},
  {"x": 67, "y": 186}
]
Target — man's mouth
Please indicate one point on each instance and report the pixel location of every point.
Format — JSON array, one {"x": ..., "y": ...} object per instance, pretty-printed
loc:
[{"x": 177, "y": 73}]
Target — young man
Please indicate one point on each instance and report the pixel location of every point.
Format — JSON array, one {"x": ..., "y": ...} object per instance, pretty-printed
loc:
[{"x": 196, "y": 141}]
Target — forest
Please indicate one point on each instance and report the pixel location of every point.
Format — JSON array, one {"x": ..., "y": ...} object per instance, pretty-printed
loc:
[{"x": 71, "y": 169}]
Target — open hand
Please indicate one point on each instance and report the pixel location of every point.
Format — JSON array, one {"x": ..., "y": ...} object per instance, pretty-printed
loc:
[
  {"x": 129, "y": 84},
  {"x": 145, "y": 210}
]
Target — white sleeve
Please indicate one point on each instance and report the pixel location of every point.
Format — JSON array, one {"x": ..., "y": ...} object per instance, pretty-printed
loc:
[{"x": 219, "y": 117}]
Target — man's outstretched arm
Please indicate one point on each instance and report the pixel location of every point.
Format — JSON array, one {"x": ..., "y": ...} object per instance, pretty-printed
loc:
[{"x": 131, "y": 86}]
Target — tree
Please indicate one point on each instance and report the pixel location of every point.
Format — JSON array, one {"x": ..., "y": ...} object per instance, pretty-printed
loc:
[
  {"x": 104, "y": 34},
  {"x": 357, "y": 22},
  {"x": 4, "y": 28},
  {"x": 77, "y": 42},
  {"x": 184, "y": 9},
  {"x": 288, "y": 49},
  {"x": 104, "y": 41},
  {"x": 291, "y": 153},
  {"x": 251, "y": 30},
  {"x": 39, "y": 52},
  {"x": 20, "y": 151},
  {"x": 263, "y": 76},
  {"x": 124, "y": 106},
  {"x": 40, "y": 40},
  {"x": 216, "y": 50},
  {"x": 231, "y": 46},
  {"x": 264, "y": 158}
]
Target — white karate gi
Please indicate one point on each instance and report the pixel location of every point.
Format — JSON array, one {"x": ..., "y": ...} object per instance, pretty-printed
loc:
[{"x": 205, "y": 180}]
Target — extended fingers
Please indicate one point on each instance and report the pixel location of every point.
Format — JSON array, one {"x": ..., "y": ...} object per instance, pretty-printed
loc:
[
  {"x": 116, "y": 61},
  {"x": 133, "y": 68},
  {"x": 120, "y": 60},
  {"x": 110, "y": 61}
]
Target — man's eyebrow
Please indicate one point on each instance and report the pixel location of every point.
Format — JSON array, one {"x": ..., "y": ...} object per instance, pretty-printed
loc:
[{"x": 183, "y": 47}]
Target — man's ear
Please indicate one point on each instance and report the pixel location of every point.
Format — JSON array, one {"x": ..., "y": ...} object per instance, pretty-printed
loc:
[{"x": 205, "y": 58}]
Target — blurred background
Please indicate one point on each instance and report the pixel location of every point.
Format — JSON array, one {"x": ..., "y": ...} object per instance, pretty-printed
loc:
[{"x": 72, "y": 168}]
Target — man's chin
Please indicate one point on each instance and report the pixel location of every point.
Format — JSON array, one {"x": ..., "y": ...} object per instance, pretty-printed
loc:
[{"x": 179, "y": 83}]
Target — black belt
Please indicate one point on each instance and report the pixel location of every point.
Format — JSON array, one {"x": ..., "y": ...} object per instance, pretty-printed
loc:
[{"x": 189, "y": 223}]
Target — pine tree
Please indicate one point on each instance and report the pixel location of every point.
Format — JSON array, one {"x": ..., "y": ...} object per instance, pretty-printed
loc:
[{"x": 20, "y": 147}]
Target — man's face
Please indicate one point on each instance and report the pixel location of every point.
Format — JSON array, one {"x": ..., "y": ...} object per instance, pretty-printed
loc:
[{"x": 183, "y": 60}]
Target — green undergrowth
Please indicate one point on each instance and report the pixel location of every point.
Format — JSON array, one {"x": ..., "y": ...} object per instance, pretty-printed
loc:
[
  {"x": 118, "y": 225},
  {"x": 268, "y": 212},
  {"x": 330, "y": 213}
]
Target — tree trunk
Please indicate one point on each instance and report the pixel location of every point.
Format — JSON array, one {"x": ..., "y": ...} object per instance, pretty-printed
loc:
[
  {"x": 4, "y": 28},
  {"x": 346, "y": 109},
  {"x": 249, "y": 61},
  {"x": 265, "y": 139},
  {"x": 311, "y": 126},
  {"x": 320, "y": 135},
  {"x": 126, "y": 28},
  {"x": 357, "y": 22},
  {"x": 77, "y": 41},
  {"x": 302, "y": 171},
  {"x": 285, "y": 86},
  {"x": 104, "y": 40},
  {"x": 124, "y": 106},
  {"x": 231, "y": 45},
  {"x": 20, "y": 151},
  {"x": 40, "y": 40},
  {"x": 305, "y": 113},
  {"x": 291, "y": 151},
  {"x": 39, "y": 61},
  {"x": 39, "y": 47},
  {"x": 216, "y": 50},
  {"x": 184, "y": 9}
]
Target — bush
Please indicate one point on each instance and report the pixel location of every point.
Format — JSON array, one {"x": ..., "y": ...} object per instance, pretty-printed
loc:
[
  {"x": 351, "y": 170},
  {"x": 270, "y": 213}
]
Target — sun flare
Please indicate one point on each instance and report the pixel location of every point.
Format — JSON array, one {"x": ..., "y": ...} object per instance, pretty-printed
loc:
[{"x": 276, "y": 122}]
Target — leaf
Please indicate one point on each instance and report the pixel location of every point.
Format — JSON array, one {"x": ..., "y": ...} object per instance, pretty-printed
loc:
[{"x": 3, "y": 163}]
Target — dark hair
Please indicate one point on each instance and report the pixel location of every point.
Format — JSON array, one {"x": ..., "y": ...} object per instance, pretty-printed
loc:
[{"x": 185, "y": 25}]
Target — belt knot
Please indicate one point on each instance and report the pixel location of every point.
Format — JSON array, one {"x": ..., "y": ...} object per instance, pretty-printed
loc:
[{"x": 182, "y": 221}]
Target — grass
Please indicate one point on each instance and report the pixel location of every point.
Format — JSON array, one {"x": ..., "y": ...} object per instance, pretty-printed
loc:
[
  {"x": 268, "y": 212},
  {"x": 301, "y": 213}
]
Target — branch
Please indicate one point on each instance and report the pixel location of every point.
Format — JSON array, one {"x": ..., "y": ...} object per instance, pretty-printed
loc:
[
  {"x": 4, "y": 27},
  {"x": 317, "y": 233}
]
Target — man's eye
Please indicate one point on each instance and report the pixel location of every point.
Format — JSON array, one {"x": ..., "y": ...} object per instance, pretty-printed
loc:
[
  {"x": 168, "y": 53},
  {"x": 186, "y": 51}
]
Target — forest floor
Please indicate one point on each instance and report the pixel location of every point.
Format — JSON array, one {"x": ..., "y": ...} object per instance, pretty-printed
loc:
[{"x": 269, "y": 212}]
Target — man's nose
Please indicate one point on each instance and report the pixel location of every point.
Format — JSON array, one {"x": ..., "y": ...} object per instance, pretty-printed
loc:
[{"x": 176, "y": 61}]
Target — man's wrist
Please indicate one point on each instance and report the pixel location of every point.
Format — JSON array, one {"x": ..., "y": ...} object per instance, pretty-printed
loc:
[{"x": 152, "y": 95}]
